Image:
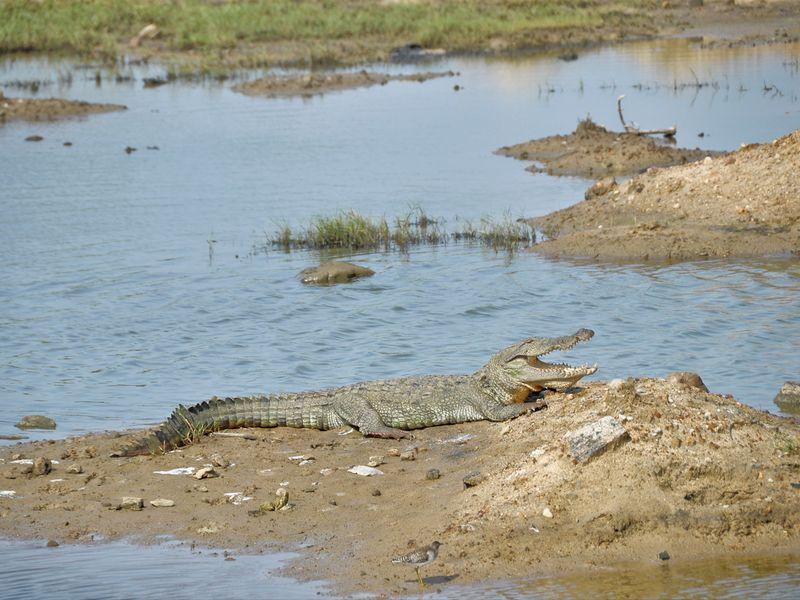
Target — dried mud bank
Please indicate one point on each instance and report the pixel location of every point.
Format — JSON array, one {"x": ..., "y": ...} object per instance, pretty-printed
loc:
[
  {"x": 313, "y": 84},
  {"x": 48, "y": 109},
  {"x": 691, "y": 473},
  {"x": 742, "y": 204},
  {"x": 593, "y": 151}
]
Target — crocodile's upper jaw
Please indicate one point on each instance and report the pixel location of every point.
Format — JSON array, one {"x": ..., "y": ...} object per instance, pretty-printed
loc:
[{"x": 519, "y": 367}]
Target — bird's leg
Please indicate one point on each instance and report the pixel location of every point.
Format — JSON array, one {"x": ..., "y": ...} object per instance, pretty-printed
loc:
[{"x": 421, "y": 583}]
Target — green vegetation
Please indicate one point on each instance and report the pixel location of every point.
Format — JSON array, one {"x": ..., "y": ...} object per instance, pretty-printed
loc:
[
  {"x": 260, "y": 32},
  {"x": 353, "y": 231}
]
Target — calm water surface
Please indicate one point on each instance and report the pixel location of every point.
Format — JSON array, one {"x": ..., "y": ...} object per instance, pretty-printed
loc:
[{"x": 117, "y": 304}]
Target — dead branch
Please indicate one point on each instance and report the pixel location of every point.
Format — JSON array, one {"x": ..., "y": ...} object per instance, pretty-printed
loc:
[{"x": 669, "y": 132}]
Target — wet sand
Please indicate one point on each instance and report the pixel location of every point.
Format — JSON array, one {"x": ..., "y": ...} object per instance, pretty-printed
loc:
[
  {"x": 697, "y": 475},
  {"x": 742, "y": 204}
]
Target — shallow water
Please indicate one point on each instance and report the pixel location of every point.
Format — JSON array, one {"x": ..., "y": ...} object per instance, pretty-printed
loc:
[
  {"x": 116, "y": 304},
  {"x": 119, "y": 570}
]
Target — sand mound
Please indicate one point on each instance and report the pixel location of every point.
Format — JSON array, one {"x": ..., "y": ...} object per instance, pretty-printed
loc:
[{"x": 746, "y": 203}]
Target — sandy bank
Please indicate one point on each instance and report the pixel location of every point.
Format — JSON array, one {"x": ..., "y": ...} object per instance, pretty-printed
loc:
[
  {"x": 48, "y": 109},
  {"x": 594, "y": 151},
  {"x": 696, "y": 475},
  {"x": 313, "y": 84},
  {"x": 746, "y": 203}
]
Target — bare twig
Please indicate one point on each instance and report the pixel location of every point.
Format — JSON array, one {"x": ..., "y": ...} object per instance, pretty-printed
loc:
[{"x": 668, "y": 132}]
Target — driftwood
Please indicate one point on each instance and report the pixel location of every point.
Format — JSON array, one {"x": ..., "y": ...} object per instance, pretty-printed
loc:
[{"x": 669, "y": 132}]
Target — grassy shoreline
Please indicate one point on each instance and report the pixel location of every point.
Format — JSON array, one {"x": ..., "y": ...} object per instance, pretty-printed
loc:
[{"x": 239, "y": 33}]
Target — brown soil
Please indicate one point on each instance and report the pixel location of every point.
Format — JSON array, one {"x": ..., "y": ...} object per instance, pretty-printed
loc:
[
  {"x": 746, "y": 203},
  {"x": 594, "y": 151},
  {"x": 48, "y": 109},
  {"x": 701, "y": 476},
  {"x": 320, "y": 83}
]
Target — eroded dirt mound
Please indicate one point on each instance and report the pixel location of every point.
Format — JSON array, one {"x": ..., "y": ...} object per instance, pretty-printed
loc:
[
  {"x": 696, "y": 474},
  {"x": 319, "y": 83},
  {"x": 746, "y": 203},
  {"x": 593, "y": 151},
  {"x": 48, "y": 109}
]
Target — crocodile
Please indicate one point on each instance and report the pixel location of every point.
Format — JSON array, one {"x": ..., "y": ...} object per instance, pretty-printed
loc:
[{"x": 498, "y": 391}]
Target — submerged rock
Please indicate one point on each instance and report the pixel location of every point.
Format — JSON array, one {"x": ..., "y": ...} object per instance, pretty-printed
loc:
[
  {"x": 36, "y": 422},
  {"x": 788, "y": 398},
  {"x": 334, "y": 271},
  {"x": 595, "y": 438}
]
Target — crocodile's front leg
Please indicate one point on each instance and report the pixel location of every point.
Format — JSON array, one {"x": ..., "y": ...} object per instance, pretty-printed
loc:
[
  {"x": 503, "y": 412},
  {"x": 359, "y": 414}
]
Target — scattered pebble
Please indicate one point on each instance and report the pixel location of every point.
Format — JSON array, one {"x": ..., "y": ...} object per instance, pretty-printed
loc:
[
  {"x": 131, "y": 503},
  {"x": 8, "y": 494},
  {"x": 206, "y": 473},
  {"x": 433, "y": 474},
  {"x": 376, "y": 492},
  {"x": 410, "y": 454},
  {"x": 663, "y": 555},
  {"x": 75, "y": 469},
  {"x": 376, "y": 461},
  {"x": 210, "y": 527},
  {"x": 280, "y": 501},
  {"x": 473, "y": 478},
  {"x": 595, "y": 438},
  {"x": 162, "y": 503},
  {"x": 42, "y": 466},
  {"x": 220, "y": 461},
  {"x": 547, "y": 513}
]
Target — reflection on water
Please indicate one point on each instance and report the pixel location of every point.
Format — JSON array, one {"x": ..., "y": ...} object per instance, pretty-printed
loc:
[
  {"x": 112, "y": 311},
  {"x": 764, "y": 577}
]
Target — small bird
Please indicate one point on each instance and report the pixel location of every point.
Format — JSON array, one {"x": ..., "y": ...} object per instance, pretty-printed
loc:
[{"x": 419, "y": 558}]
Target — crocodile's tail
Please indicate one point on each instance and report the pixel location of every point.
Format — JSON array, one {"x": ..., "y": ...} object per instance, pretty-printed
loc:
[{"x": 186, "y": 425}]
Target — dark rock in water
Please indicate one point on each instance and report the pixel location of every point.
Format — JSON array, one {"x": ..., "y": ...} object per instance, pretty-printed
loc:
[
  {"x": 13, "y": 437},
  {"x": 688, "y": 379},
  {"x": 788, "y": 398},
  {"x": 36, "y": 422},
  {"x": 472, "y": 479},
  {"x": 334, "y": 271},
  {"x": 595, "y": 438},
  {"x": 151, "y": 82},
  {"x": 414, "y": 51},
  {"x": 568, "y": 56},
  {"x": 52, "y": 544},
  {"x": 34, "y": 138},
  {"x": 663, "y": 555},
  {"x": 129, "y": 149}
]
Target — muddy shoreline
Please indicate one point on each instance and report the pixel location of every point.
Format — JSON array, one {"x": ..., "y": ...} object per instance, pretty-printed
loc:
[
  {"x": 593, "y": 151},
  {"x": 314, "y": 84},
  {"x": 49, "y": 109},
  {"x": 698, "y": 475}
]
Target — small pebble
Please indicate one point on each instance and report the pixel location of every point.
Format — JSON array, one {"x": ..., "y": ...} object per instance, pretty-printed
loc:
[{"x": 433, "y": 474}]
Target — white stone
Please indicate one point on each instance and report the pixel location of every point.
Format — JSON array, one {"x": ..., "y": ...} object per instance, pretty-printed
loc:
[
  {"x": 547, "y": 513},
  {"x": 364, "y": 470}
]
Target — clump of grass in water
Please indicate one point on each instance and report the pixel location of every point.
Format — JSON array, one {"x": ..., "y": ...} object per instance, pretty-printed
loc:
[{"x": 352, "y": 230}]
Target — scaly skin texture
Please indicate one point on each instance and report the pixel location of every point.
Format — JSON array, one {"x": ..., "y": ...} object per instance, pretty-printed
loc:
[{"x": 386, "y": 408}]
